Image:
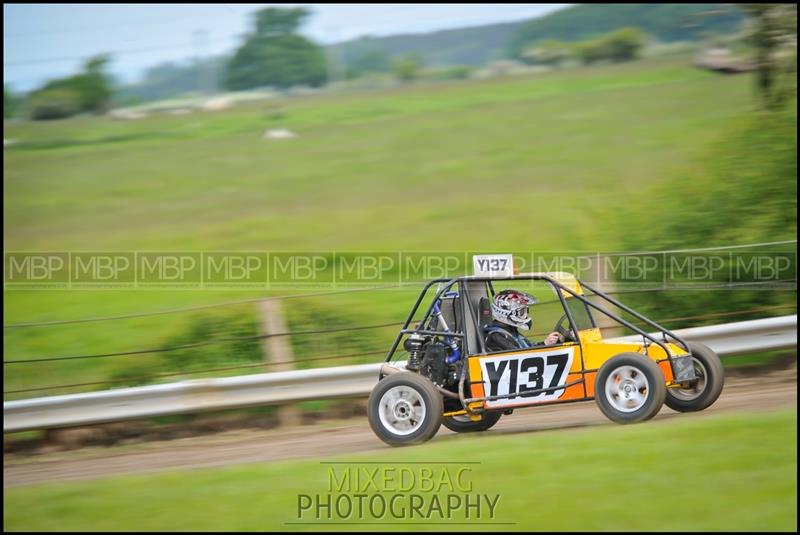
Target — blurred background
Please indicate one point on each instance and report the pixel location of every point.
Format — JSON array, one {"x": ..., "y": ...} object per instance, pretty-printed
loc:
[{"x": 578, "y": 129}]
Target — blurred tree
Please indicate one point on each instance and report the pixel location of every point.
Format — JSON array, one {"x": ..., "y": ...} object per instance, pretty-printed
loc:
[
  {"x": 275, "y": 55},
  {"x": 406, "y": 68},
  {"x": 590, "y": 51},
  {"x": 276, "y": 22},
  {"x": 550, "y": 52},
  {"x": 54, "y": 103},
  {"x": 773, "y": 33},
  {"x": 88, "y": 91},
  {"x": 624, "y": 44},
  {"x": 11, "y": 102},
  {"x": 93, "y": 86},
  {"x": 620, "y": 45}
]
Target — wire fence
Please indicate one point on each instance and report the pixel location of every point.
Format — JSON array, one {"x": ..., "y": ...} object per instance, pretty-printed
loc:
[
  {"x": 781, "y": 284},
  {"x": 199, "y": 307},
  {"x": 204, "y": 343},
  {"x": 337, "y": 357},
  {"x": 235, "y": 339}
]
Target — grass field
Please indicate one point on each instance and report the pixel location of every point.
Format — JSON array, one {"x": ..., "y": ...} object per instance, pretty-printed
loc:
[
  {"x": 209, "y": 181},
  {"x": 542, "y": 162},
  {"x": 706, "y": 474}
]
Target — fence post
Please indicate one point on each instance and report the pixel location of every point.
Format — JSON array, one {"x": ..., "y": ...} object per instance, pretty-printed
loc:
[{"x": 277, "y": 349}]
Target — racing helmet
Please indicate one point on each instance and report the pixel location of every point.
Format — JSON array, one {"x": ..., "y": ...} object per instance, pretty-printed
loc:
[{"x": 511, "y": 307}]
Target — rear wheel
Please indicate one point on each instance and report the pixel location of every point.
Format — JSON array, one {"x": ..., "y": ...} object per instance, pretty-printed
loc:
[
  {"x": 405, "y": 408},
  {"x": 630, "y": 388},
  {"x": 703, "y": 391},
  {"x": 464, "y": 424}
]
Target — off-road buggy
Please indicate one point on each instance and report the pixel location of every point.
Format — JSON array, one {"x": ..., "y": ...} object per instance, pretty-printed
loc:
[{"x": 446, "y": 376}]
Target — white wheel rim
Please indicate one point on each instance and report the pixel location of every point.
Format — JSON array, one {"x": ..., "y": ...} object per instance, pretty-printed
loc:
[
  {"x": 627, "y": 389},
  {"x": 694, "y": 391},
  {"x": 463, "y": 418},
  {"x": 401, "y": 410}
]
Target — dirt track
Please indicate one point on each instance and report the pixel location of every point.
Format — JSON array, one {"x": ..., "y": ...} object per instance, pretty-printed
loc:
[{"x": 765, "y": 392}]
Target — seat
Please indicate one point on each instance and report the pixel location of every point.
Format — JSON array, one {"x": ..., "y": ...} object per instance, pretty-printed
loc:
[
  {"x": 450, "y": 306},
  {"x": 477, "y": 292},
  {"x": 484, "y": 312}
]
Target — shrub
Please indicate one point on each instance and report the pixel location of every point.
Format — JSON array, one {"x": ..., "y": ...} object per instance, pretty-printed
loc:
[
  {"x": 747, "y": 195},
  {"x": 620, "y": 45},
  {"x": 54, "y": 104}
]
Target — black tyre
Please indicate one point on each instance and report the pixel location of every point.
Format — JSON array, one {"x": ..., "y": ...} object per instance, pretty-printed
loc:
[
  {"x": 703, "y": 392},
  {"x": 463, "y": 424},
  {"x": 630, "y": 388},
  {"x": 405, "y": 408}
]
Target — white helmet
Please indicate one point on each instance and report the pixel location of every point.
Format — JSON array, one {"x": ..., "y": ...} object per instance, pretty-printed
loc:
[{"x": 511, "y": 307}]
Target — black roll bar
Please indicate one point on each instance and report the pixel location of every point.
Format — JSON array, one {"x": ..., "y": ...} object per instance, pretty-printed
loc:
[
  {"x": 637, "y": 315},
  {"x": 449, "y": 282},
  {"x": 618, "y": 319},
  {"x": 405, "y": 330}
]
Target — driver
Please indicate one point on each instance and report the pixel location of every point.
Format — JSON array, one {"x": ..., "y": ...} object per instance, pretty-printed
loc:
[{"x": 509, "y": 313}]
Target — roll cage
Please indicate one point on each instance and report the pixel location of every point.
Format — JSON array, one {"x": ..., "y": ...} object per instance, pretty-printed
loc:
[{"x": 469, "y": 329}]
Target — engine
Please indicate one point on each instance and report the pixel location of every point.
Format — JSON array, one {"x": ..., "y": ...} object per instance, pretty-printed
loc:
[
  {"x": 429, "y": 357},
  {"x": 434, "y": 365}
]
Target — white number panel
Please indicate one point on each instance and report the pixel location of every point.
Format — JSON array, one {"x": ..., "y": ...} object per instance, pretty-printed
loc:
[
  {"x": 521, "y": 373},
  {"x": 499, "y": 265}
]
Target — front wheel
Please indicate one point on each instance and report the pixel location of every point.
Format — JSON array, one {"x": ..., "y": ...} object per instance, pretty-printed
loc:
[
  {"x": 464, "y": 424},
  {"x": 630, "y": 388},
  {"x": 405, "y": 408},
  {"x": 703, "y": 391}
]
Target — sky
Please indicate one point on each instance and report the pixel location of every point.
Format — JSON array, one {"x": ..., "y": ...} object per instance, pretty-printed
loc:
[{"x": 45, "y": 41}]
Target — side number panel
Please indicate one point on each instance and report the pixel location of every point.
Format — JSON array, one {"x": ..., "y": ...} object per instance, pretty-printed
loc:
[{"x": 525, "y": 373}]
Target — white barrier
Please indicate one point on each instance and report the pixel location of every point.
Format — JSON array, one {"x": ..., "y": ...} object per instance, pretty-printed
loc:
[{"x": 741, "y": 337}]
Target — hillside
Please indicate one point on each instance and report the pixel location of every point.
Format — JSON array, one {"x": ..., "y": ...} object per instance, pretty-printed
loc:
[
  {"x": 664, "y": 22},
  {"x": 480, "y": 44},
  {"x": 477, "y": 45}
]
